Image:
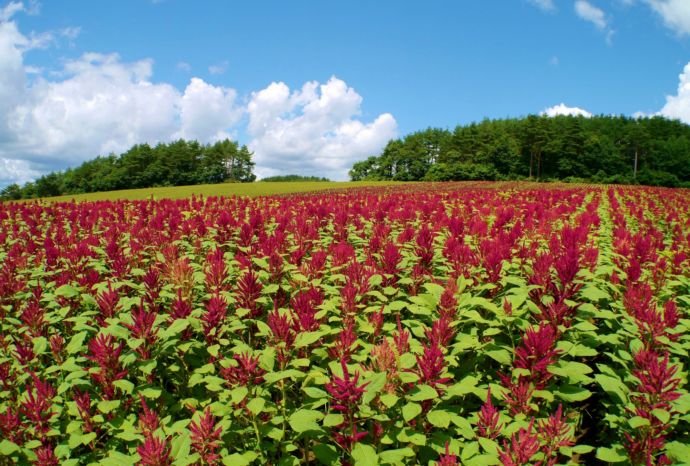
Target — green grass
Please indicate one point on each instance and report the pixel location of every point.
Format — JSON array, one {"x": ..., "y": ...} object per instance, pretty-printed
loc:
[{"x": 223, "y": 189}]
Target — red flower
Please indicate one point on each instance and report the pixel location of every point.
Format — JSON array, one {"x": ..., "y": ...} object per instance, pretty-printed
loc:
[
  {"x": 430, "y": 366},
  {"x": 154, "y": 452},
  {"x": 447, "y": 459},
  {"x": 212, "y": 320},
  {"x": 487, "y": 423},
  {"x": 104, "y": 352},
  {"x": 521, "y": 448},
  {"x": 345, "y": 391},
  {"x": 246, "y": 372},
  {"x": 206, "y": 437}
]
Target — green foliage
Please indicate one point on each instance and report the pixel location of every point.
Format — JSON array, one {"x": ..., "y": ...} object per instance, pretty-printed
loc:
[
  {"x": 179, "y": 163},
  {"x": 292, "y": 178},
  {"x": 602, "y": 149}
]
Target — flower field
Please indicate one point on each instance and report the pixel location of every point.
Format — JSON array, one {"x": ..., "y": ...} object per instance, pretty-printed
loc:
[{"x": 440, "y": 324}]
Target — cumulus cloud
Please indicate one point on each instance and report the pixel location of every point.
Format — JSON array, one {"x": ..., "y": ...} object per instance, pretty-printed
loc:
[
  {"x": 97, "y": 104},
  {"x": 678, "y": 106},
  {"x": 674, "y": 13},
  {"x": 313, "y": 130},
  {"x": 589, "y": 12},
  {"x": 207, "y": 112},
  {"x": 546, "y": 5},
  {"x": 562, "y": 109}
]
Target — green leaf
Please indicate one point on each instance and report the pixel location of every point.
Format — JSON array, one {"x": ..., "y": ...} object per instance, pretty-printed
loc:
[
  {"x": 389, "y": 400},
  {"x": 327, "y": 454},
  {"x": 573, "y": 370},
  {"x": 411, "y": 410},
  {"x": 467, "y": 385},
  {"x": 500, "y": 355},
  {"x": 612, "y": 386},
  {"x": 422, "y": 393},
  {"x": 240, "y": 459},
  {"x": 116, "y": 458},
  {"x": 375, "y": 384},
  {"x": 280, "y": 375},
  {"x": 67, "y": 291},
  {"x": 680, "y": 452},
  {"x": 364, "y": 455},
  {"x": 237, "y": 394},
  {"x": 396, "y": 456},
  {"x": 637, "y": 421},
  {"x": 307, "y": 338},
  {"x": 256, "y": 405},
  {"x": 572, "y": 393},
  {"x": 76, "y": 342},
  {"x": 662, "y": 415},
  {"x": 181, "y": 445},
  {"x": 107, "y": 406},
  {"x": 177, "y": 327},
  {"x": 152, "y": 393},
  {"x": 592, "y": 293},
  {"x": 316, "y": 393},
  {"x": 125, "y": 385},
  {"x": 305, "y": 419},
  {"x": 439, "y": 418},
  {"x": 7, "y": 447},
  {"x": 333, "y": 420},
  {"x": 612, "y": 455}
]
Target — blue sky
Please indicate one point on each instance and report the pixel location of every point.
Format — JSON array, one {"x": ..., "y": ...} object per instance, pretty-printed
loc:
[{"x": 313, "y": 86}]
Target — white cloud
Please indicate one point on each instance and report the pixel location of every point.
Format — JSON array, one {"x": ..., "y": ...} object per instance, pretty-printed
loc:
[
  {"x": 16, "y": 171},
  {"x": 589, "y": 12},
  {"x": 678, "y": 106},
  {"x": 207, "y": 112},
  {"x": 97, "y": 104},
  {"x": 11, "y": 9},
  {"x": 562, "y": 109},
  {"x": 313, "y": 130},
  {"x": 184, "y": 66},
  {"x": 546, "y": 5},
  {"x": 94, "y": 105},
  {"x": 674, "y": 13},
  {"x": 218, "y": 68}
]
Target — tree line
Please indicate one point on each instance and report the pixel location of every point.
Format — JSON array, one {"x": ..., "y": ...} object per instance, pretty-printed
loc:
[
  {"x": 292, "y": 178},
  {"x": 601, "y": 149},
  {"x": 176, "y": 163}
]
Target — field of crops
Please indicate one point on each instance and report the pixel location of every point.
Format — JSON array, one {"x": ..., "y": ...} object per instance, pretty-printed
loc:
[
  {"x": 219, "y": 189},
  {"x": 426, "y": 324}
]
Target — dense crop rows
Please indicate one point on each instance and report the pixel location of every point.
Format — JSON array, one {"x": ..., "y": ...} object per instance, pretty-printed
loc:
[{"x": 452, "y": 324}]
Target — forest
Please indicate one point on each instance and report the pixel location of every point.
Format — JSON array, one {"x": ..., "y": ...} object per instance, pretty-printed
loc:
[
  {"x": 177, "y": 163},
  {"x": 601, "y": 149}
]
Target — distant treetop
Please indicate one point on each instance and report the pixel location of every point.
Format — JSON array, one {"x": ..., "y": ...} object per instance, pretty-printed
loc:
[{"x": 601, "y": 149}]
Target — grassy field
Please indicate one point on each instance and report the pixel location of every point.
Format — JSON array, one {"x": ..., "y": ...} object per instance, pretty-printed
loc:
[{"x": 223, "y": 189}]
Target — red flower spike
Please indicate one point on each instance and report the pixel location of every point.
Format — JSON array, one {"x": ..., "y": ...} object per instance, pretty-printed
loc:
[
  {"x": 148, "y": 419},
  {"x": 154, "y": 452},
  {"x": 11, "y": 426},
  {"x": 212, "y": 320},
  {"x": 45, "y": 456},
  {"x": 447, "y": 459},
  {"x": 489, "y": 416},
  {"x": 106, "y": 354},
  {"x": 206, "y": 438},
  {"x": 247, "y": 371},
  {"x": 142, "y": 328},
  {"x": 521, "y": 448},
  {"x": 345, "y": 391},
  {"x": 555, "y": 433},
  {"x": 536, "y": 352}
]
